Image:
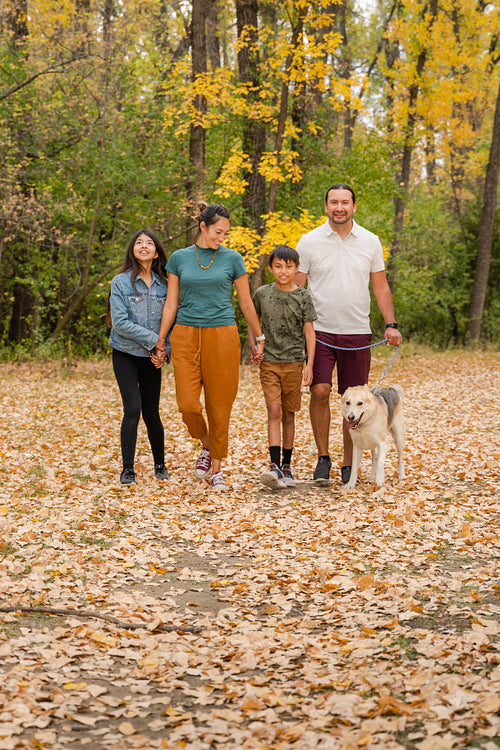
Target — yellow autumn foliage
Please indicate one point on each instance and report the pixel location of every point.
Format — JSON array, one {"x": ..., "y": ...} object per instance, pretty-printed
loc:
[{"x": 279, "y": 230}]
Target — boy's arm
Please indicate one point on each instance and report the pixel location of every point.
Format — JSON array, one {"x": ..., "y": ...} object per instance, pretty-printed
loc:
[
  {"x": 256, "y": 357},
  {"x": 310, "y": 338}
]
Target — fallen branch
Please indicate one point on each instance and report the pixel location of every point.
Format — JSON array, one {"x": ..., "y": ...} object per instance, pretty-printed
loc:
[{"x": 86, "y": 613}]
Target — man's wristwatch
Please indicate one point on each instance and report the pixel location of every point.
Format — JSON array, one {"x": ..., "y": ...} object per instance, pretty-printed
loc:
[{"x": 391, "y": 325}]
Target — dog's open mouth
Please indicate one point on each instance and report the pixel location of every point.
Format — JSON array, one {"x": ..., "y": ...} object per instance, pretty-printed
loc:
[{"x": 353, "y": 424}]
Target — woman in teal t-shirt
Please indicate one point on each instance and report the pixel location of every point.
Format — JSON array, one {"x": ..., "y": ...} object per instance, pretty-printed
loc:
[{"x": 205, "y": 342}]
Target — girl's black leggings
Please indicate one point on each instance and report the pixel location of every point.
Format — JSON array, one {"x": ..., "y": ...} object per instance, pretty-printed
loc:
[{"x": 139, "y": 382}]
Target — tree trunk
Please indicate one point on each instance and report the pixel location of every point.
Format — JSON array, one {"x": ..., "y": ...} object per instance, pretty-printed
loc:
[
  {"x": 15, "y": 20},
  {"x": 197, "y": 128},
  {"x": 485, "y": 239},
  {"x": 213, "y": 45},
  {"x": 86, "y": 286},
  {"x": 254, "y": 132},
  {"x": 283, "y": 112},
  {"x": 408, "y": 145},
  {"x": 345, "y": 74}
]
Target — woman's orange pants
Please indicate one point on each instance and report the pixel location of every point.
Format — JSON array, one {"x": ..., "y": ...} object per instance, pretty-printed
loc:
[{"x": 208, "y": 357}]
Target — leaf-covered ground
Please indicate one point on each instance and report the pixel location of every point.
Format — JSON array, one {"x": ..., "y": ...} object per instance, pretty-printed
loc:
[{"x": 304, "y": 618}]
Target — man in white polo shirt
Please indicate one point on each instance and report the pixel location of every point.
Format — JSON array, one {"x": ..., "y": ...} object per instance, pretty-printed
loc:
[{"x": 339, "y": 259}]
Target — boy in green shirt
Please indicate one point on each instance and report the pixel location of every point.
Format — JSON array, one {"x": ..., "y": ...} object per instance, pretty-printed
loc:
[{"x": 286, "y": 313}]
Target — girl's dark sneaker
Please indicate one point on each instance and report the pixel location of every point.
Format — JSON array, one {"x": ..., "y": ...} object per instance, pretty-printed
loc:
[
  {"x": 161, "y": 471},
  {"x": 128, "y": 475}
]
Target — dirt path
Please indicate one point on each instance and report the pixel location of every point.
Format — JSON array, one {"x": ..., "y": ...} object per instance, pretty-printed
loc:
[{"x": 304, "y": 618}]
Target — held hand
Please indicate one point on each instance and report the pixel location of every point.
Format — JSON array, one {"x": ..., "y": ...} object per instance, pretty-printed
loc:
[
  {"x": 257, "y": 357},
  {"x": 259, "y": 349},
  {"x": 308, "y": 375},
  {"x": 159, "y": 357},
  {"x": 394, "y": 336}
]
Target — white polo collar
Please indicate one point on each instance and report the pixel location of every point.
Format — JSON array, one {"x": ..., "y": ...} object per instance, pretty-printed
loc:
[{"x": 329, "y": 231}]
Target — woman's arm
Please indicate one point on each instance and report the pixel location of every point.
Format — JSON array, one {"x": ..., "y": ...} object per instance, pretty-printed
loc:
[
  {"x": 169, "y": 310},
  {"x": 248, "y": 310},
  {"x": 159, "y": 356}
]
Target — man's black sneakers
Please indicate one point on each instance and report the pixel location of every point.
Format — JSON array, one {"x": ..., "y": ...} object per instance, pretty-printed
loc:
[
  {"x": 322, "y": 470},
  {"x": 345, "y": 473}
]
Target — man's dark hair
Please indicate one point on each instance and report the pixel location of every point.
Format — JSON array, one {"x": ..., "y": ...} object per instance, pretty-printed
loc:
[
  {"x": 286, "y": 253},
  {"x": 341, "y": 186}
]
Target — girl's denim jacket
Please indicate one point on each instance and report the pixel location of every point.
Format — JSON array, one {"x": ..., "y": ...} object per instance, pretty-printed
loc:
[{"x": 136, "y": 315}]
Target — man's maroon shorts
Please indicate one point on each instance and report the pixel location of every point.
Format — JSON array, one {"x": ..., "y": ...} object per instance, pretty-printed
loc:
[{"x": 353, "y": 367}]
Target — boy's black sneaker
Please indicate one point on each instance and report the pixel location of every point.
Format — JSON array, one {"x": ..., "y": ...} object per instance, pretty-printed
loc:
[
  {"x": 161, "y": 471},
  {"x": 322, "y": 470},
  {"x": 128, "y": 475},
  {"x": 273, "y": 478},
  {"x": 287, "y": 475}
]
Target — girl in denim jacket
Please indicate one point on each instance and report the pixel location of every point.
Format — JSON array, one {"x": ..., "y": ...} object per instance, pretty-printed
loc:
[{"x": 136, "y": 302}]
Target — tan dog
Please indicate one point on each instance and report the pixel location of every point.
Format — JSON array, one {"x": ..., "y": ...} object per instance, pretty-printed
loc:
[{"x": 370, "y": 416}]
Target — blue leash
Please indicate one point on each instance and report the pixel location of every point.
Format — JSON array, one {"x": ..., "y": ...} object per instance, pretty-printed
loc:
[{"x": 360, "y": 348}]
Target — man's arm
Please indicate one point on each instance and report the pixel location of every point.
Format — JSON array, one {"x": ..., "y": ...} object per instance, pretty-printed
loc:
[
  {"x": 300, "y": 278},
  {"x": 383, "y": 296}
]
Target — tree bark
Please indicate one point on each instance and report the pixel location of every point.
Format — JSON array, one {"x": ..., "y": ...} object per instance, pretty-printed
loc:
[
  {"x": 213, "y": 45},
  {"x": 283, "y": 111},
  {"x": 197, "y": 128},
  {"x": 403, "y": 177},
  {"x": 86, "y": 286},
  {"x": 254, "y": 132},
  {"x": 14, "y": 18},
  {"x": 345, "y": 73},
  {"x": 485, "y": 239}
]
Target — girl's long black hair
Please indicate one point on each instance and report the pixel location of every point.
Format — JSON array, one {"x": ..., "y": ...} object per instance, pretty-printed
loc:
[{"x": 130, "y": 262}]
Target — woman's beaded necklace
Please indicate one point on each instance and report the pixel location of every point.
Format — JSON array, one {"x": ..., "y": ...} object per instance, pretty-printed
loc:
[{"x": 204, "y": 268}]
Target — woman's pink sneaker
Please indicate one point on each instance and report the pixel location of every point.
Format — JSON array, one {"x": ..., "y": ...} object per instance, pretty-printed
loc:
[
  {"x": 203, "y": 464},
  {"x": 218, "y": 482}
]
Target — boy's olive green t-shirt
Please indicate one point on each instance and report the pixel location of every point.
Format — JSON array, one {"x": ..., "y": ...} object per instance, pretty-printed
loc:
[{"x": 282, "y": 319}]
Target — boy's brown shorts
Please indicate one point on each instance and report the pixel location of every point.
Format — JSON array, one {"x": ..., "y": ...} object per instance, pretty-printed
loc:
[{"x": 282, "y": 384}]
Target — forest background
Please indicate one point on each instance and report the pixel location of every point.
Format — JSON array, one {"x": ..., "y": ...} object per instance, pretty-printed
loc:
[{"x": 116, "y": 116}]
